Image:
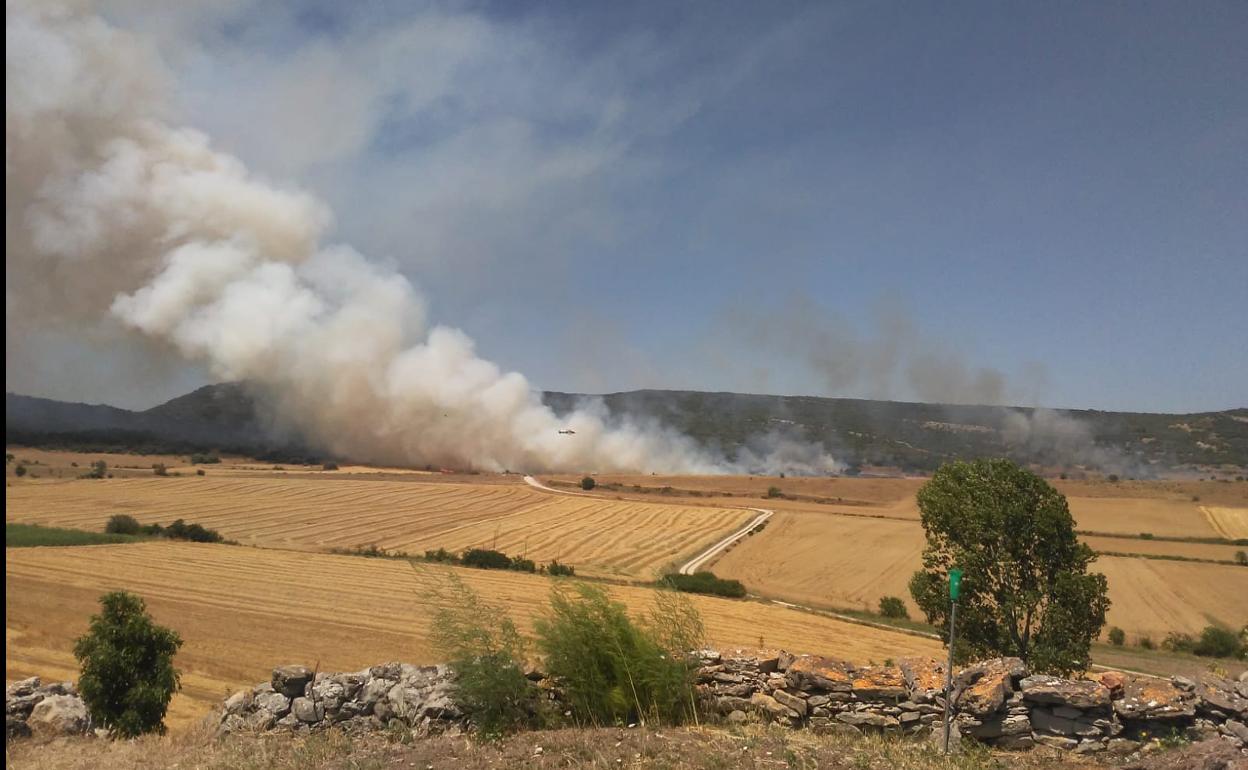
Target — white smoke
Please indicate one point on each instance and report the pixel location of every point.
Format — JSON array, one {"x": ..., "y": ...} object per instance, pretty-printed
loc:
[{"x": 111, "y": 210}]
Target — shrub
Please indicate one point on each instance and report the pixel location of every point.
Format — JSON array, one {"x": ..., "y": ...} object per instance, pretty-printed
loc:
[
  {"x": 159, "y": 469},
  {"x": 99, "y": 470},
  {"x": 204, "y": 459},
  {"x": 1241, "y": 558},
  {"x": 126, "y": 660},
  {"x": 704, "y": 583},
  {"x": 1113, "y": 477},
  {"x": 196, "y": 533},
  {"x": 588, "y": 483},
  {"x": 1117, "y": 636},
  {"x": 121, "y": 524},
  {"x": 1145, "y": 643},
  {"x": 329, "y": 466},
  {"x": 1146, "y": 535},
  {"x": 1218, "y": 642},
  {"x": 483, "y": 558},
  {"x": 441, "y": 555},
  {"x": 773, "y": 492},
  {"x": 19, "y": 471},
  {"x": 200, "y": 472},
  {"x": 1177, "y": 642},
  {"x": 555, "y": 569},
  {"x": 520, "y": 564},
  {"x": 893, "y": 607},
  {"x": 483, "y": 646},
  {"x": 613, "y": 670}
]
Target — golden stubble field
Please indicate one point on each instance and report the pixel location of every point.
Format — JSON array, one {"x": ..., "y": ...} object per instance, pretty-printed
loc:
[
  {"x": 626, "y": 539},
  {"x": 244, "y": 610}
]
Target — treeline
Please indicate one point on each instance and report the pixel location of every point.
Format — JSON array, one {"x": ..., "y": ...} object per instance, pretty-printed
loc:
[
  {"x": 704, "y": 583},
  {"x": 477, "y": 558},
  {"x": 121, "y": 524}
]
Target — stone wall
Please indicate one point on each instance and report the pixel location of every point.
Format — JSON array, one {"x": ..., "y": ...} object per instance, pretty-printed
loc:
[
  {"x": 43, "y": 710},
  {"x": 995, "y": 702}
]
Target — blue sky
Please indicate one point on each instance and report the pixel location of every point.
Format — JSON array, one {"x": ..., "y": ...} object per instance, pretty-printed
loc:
[{"x": 1025, "y": 202}]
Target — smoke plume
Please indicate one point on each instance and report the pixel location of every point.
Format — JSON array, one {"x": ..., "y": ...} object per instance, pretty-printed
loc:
[{"x": 114, "y": 213}]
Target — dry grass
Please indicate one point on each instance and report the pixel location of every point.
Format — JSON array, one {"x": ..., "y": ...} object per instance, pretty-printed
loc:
[
  {"x": 1227, "y": 522},
  {"x": 244, "y": 610},
  {"x": 599, "y": 537},
  {"x": 752, "y": 747}
]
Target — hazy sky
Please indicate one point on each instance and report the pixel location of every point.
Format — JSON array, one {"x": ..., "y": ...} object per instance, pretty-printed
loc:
[{"x": 1020, "y": 202}]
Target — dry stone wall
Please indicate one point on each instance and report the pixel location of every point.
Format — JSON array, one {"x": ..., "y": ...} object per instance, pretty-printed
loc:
[{"x": 32, "y": 708}]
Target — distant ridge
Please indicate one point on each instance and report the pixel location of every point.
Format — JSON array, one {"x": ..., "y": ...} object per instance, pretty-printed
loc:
[{"x": 907, "y": 436}]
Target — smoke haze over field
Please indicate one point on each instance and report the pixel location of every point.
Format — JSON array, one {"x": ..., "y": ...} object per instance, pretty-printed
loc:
[{"x": 112, "y": 211}]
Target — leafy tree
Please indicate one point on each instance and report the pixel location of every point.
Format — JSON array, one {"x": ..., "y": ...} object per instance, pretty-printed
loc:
[
  {"x": 1218, "y": 642},
  {"x": 1117, "y": 636},
  {"x": 1026, "y": 589},
  {"x": 19, "y": 470},
  {"x": 1241, "y": 558},
  {"x": 121, "y": 524},
  {"x": 893, "y": 607},
  {"x": 127, "y": 668},
  {"x": 588, "y": 483}
]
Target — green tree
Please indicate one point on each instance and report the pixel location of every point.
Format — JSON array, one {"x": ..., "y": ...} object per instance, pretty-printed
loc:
[
  {"x": 893, "y": 607},
  {"x": 121, "y": 524},
  {"x": 127, "y": 668},
  {"x": 1026, "y": 589},
  {"x": 19, "y": 470},
  {"x": 588, "y": 483},
  {"x": 1241, "y": 557},
  {"x": 1117, "y": 636}
]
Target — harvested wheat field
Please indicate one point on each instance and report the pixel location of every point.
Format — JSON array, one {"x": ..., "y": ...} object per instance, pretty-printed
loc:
[
  {"x": 243, "y": 610},
  {"x": 851, "y": 562},
  {"x": 1227, "y": 522},
  {"x": 598, "y": 536}
]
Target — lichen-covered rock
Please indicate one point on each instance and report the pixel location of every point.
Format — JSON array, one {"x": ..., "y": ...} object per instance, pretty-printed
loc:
[
  {"x": 793, "y": 702},
  {"x": 291, "y": 680},
  {"x": 815, "y": 673},
  {"x": 983, "y": 688},
  {"x": 771, "y": 708},
  {"x": 1154, "y": 699},
  {"x": 924, "y": 677},
  {"x": 58, "y": 715},
  {"x": 1078, "y": 694},
  {"x": 1216, "y": 694},
  {"x": 879, "y": 683}
]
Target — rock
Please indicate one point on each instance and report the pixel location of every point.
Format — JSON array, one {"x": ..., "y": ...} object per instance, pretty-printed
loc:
[
  {"x": 1217, "y": 694},
  {"x": 306, "y": 710},
  {"x": 982, "y": 689},
  {"x": 291, "y": 680},
  {"x": 772, "y": 707},
  {"x": 22, "y": 687},
  {"x": 1237, "y": 729},
  {"x": 879, "y": 683},
  {"x": 812, "y": 672},
  {"x": 784, "y": 660},
  {"x": 790, "y": 701},
  {"x": 829, "y": 727},
  {"x": 954, "y": 740},
  {"x": 237, "y": 703},
  {"x": 15, "y": 728},
  {"x": 1015, "y": 742},
  {"x": 866, "y": 719},
  {"x": 737, "y": 717},
  {"x": 1056, "y": 741},
  {"x": 1122, "y": 746},
  {"x": 1113, "y": 681},
  {"x": 58, "y": 715},
  {"x": 925, "y": 677},
  {"x": 273, "y": 702},
  {"x": 1144, "y": 698},
  {"x": 1077, "y": 694}
]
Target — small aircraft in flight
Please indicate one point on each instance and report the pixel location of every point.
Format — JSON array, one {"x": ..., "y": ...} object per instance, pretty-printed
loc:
[{"x": 567, "y": 432}]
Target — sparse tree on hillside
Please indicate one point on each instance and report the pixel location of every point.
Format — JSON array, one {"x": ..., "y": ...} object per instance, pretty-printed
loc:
[
  {"x": 127, "y": 674},
  {"x": 1026, "y": 589},
  {"x": 588, "y": 483}
]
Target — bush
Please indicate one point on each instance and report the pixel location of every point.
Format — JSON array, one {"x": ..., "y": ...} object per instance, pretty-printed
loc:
[
  {"x": 19, "y": 471},
  {"x": 1146, "y": 535},
  {"x": 329, "y": 467},
  {"x": 520, "y": 564},
  {"x": 1113, "y": 477},
  {"x": 1241, "y": 558},
  {"x": 613, "y": 670},
  {"x": 483, "y": 558},
  {"x": 204, "y": 459},
  {"x": 483, "y": 646},
  {"x": 704, "y": 583},
  {"x": 893, "y": 607},
  {"x": 1146, "y": 643},
  {"x": 99, "y": 470},
  {"x": 127, "y": 675},
  {"x": 200, "y": 472},
  {"x": 121, "y": 524},
  {"x": 1177, "y": 642},
  {"x": 1218, "y": 642},
  {"x": 555, "y": 569},
  {"x": 196, "y": 533},
  {"x": 1117, "y": 636},
  {"x": 441, "y": 555},
  {"x": 773, "y": 492},
  {"x": 588, "y": 483},
  {"x": 159, "y": 469}
]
